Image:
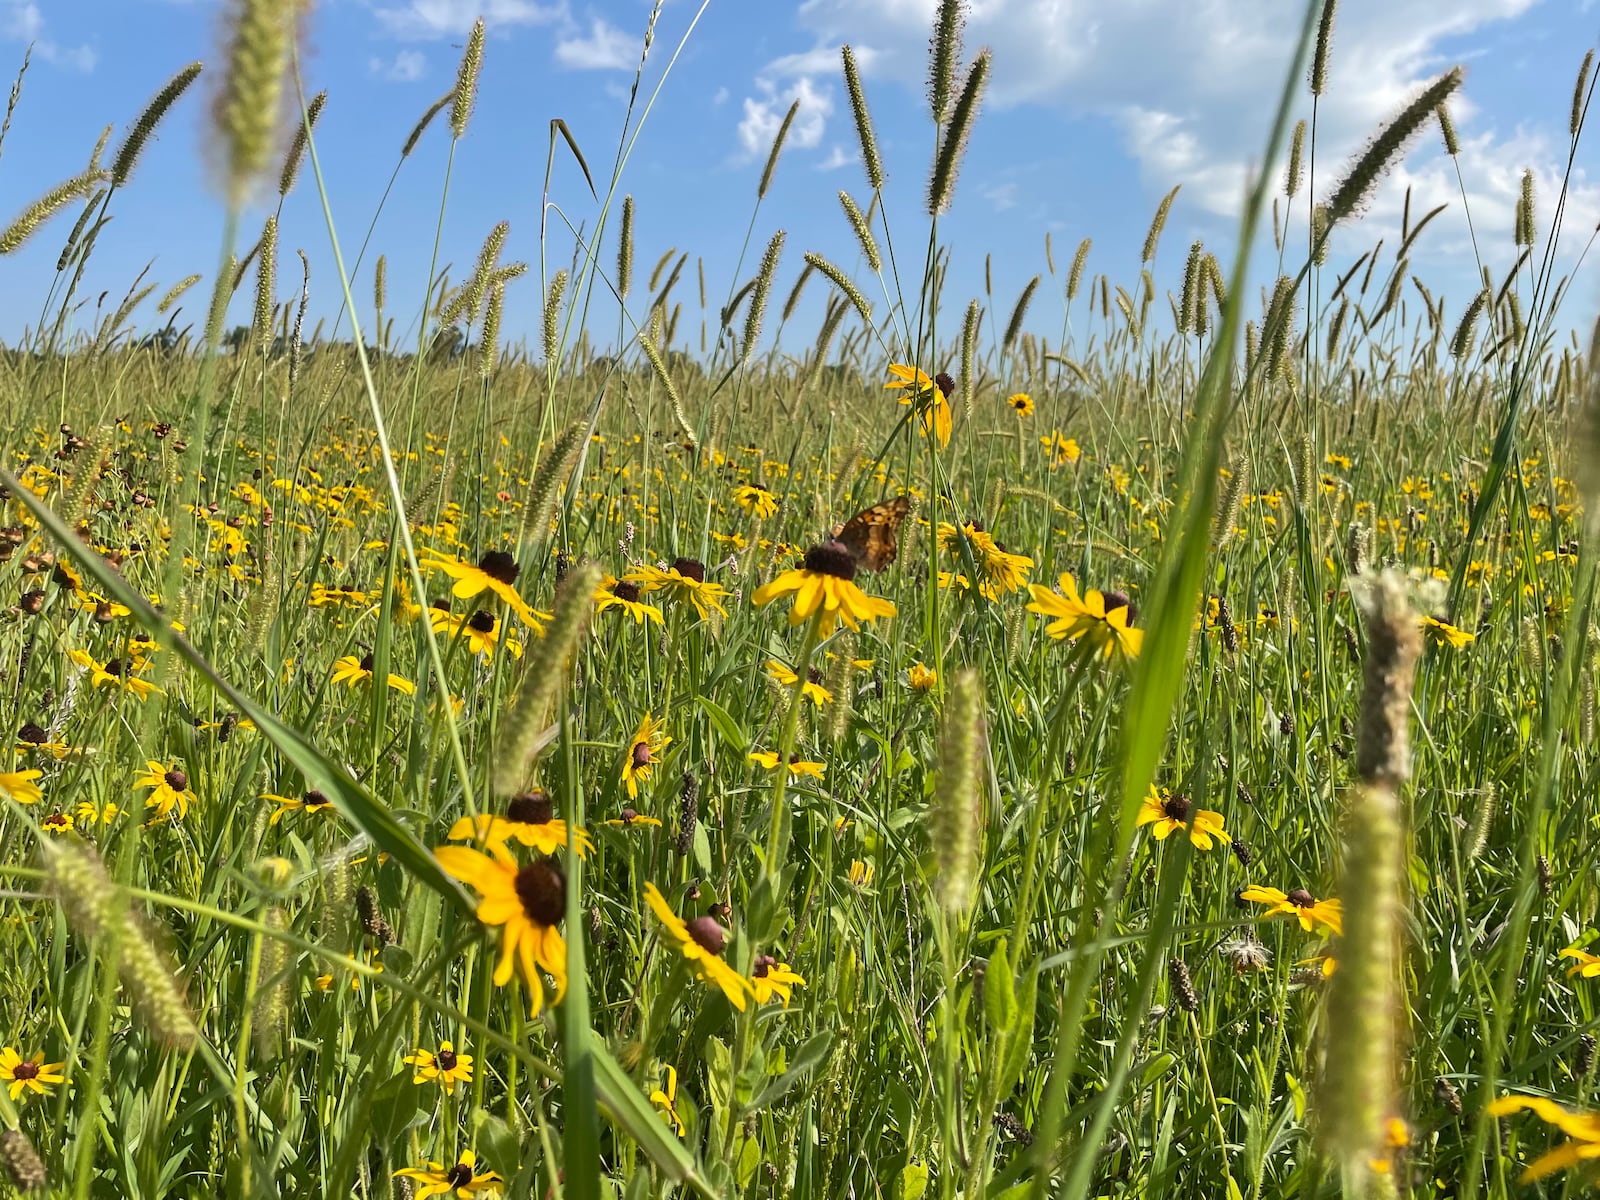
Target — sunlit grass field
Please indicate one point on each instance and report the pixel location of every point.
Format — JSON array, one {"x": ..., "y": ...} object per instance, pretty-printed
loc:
[{"x": 922, "y": 757}]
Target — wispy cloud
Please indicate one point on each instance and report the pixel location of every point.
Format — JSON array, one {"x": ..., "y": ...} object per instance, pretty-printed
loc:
[
  {"x": 408, "y": 66},
  {"x": 763, "y": 117},
  {"x": 432, "y": 19},
  {"x": 605, "y": 49},
  {"x": 21, "y": 21}
]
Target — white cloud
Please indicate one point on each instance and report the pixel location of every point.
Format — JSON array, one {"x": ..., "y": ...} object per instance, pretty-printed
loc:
[
  {"x": 720, "y": 96},
  {"x": 1190, "y": 84},
  {"x": 605, "y": 49},
  {"x": 1001, "y": 195},
  {"x": 408, "y": 66},
  {"x": 837, "y": 157},
  {"x": 21, "y": 21},
  {"x": 431, "y": 19},
  {"x": 762, "y": 118}
]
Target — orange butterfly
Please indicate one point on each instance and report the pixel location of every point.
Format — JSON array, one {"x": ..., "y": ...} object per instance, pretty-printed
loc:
[{"x": 870, "y": 534}]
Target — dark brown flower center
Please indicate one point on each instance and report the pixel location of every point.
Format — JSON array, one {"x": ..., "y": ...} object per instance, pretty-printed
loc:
[
  {"x": 315, "y": 799},
  {"x": 641, "y": 754},
  {"x": 1176, "y": 807},
  {"x": 543, "y": 892},
  {"x": 458, "y": 1176},
  {"x": 25, "y": 1070},
  {"x": 690, "y": 568},
  {"x": 446, "y": 1060},
  {"x": 482, "y": 622},
  {"x": 763, "y": 964},
  {"x": 1115, "y": 600},
  {"x": 499, "y": 565},
  {"x": 367, "y": 663},
  {"x": 947, "y": 386},
  {"x": 114, "y": 667},
  {"x": 33, "y": 734},
  {"x": 1301, "y": 898},
  {"x": 530, "y": 808},
  {"x": 441, "y": 604},
  {"x": 176, "y": 780},
  {"x": 627, "y": 592},
  {"x": 708, "y": 935},
  {"x": 831, "y": 558}
]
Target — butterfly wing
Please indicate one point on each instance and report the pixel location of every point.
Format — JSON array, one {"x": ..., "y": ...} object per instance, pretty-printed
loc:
[{"x": 870, "y": 534}]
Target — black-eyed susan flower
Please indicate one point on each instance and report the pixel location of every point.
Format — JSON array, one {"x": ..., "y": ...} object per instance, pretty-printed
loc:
[
  {"x": 1021, "y": 403},
  {"x": 90, "y": 814},
  {"x": 1586, "y": 964},
  {"x": 445, "y": 1067},
  {"x": 169, "y": 789},
  {"x": 36, "y": 739},
  {"x": 529, "y": 819},
  {"x": 623, "y": 595},
  {"x": 1104, "y": 618},
  {"x": 114, "y": 673},
  {"x": 771, "y": 979},
  {"x": 1167, "y": 813},
  {"x": 798, "y": 767},
  {"x": 528, "y": 904},
  {"x": 644, "y": 751},
  {"x": 28, "y": 1074},
  {"x": 755, "y": 500},
  {"x": 484, "y": 632},
  {"x": 20, "y": 786},
  {"x": 629, "y": 818},
  {"x": 353, "y": 672},
  {"x": 665, "y": 1098},
  {"x": 1583, "y": 1128},
  {"x": 1061, "y": 451},
  {"x": 701, "y": 942},
  {"x": 922, "y": 678},
  {"x": 686, "y": 580},
  {"x": 1299, "y": 903},
  {"x": 310, "y": 803},
  {"x": 462, "y": 1179},
  {"x": 860, "y": 874},
  {"x": 825, "y": 587},
  {"x": 930, "y": 401},
  {"x": 813, "y": 689},
  {"x": 1445, "y": 634},
  {"x": 495, "y": 572},
  {"x": 57, "y": 823}
]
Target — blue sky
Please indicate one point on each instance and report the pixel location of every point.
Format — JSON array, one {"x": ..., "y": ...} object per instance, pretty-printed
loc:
[{"x": 1094, "y": 112}]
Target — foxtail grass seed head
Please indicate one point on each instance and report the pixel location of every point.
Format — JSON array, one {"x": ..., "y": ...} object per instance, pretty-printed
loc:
[
  {"x": 147, "y": 973},
  {"x": 777, "y": 149},
  {"x": 625, "y": 249},
  {"x": 863, "y": 231},
  {"x": 489, "y": 340},
  {"x": 1531, "y": 643},
  {"x": 546, "y": 483},
  {"x": 1193, "y": 297},
  {"x": 29, "y": 221},
  {"x": 1158, "y": 223},
  {"x": 175, "y": 292},
  {"x": 870, "y": 162},
  {"x": 266, "y": 286},
  {"x": 1466, "y": 334},
  {"x": 1394, "y": 643},
  {"x": 552, "y": 316},
  {"x": 1294, "y": 176},
  {"x": 22, "y": 1164},
  {"x": 844, "y": 283},
  {"x": 955, "y": 819},
  {"x": 248, "y": 112},
  {"x": 1586, "y": 716},
  {"x": 1305, "y": 472},
  {"x": 421, "y": 127},
  {"x": 1525, "y": 229},
  {"x": 1278, "y": 323},
  {"x": 953, "y": 141},
  {"x": 1482, "y": 820},
  {"x": 969, "y": 355},
  {"x": 297, "y": 147},
  {"x": 658, "y": 366},
  {"x": 465, "y": 94},
  {"x": 839, "y": 683},
  {"x": 139, "y": 134},
  {"x": 1586, "y": 443},
  {"x": 1317, "y": 77},
  {"x": 1075, "y": 275},
  {"x": 1019, "y": 314},
  {"x": 1227, "y": 519},
  {"x": 1580, "y": 94},
  {"x": 1447, "y": 131},
  {"x": 796, "y": 291},
  {"x": 91, "y": 209},
  {"x": 1356, "y": 543},
  {"x": 270, "y": 1018},
  {"x": 757, "y": 311},
  {"x": 546, "y": 678},
  {"x": 77, "y": 878},
  {"x": 1381, "y": 153},
  {"x": 944, "y": 52}
]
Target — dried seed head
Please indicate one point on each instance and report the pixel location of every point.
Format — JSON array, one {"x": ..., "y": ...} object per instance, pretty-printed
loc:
[
  {"x": 688, "y": 812},
  {"x": 297, "y": 147},
  {"x": 1318, "y": 75},
  {"x": 777, "y": 149},
  {"x": 1482, "y": 819},
  {"x": 625, "y": 249},
  {"x": 1182, "y": 985},
  {"x": 248, "y": 109},
  {"x": 22, "y": 1163},
  {"x": 372, "y": 922},
  {"x": 1583, "y": 1055},
  {"x": 466, "y": 90},
  {"x": 1446, "y": 1096}
]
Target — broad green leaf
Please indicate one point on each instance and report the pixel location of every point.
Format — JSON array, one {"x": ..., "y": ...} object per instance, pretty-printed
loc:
[
  {"x": 812, "y": 1054},
  {"x": 999, "y": 990}
]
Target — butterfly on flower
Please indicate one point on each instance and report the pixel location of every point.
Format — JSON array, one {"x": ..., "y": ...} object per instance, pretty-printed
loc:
[{"x": 870, "y": 534}]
